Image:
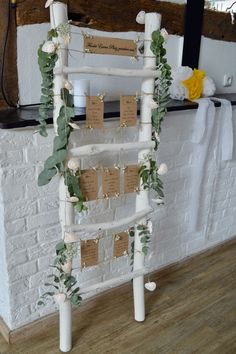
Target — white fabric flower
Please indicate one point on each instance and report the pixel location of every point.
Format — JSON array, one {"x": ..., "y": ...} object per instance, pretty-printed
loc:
[
  {"x": 177, "y": 91},
  {"x": 164, "y": 34},
  {"x": 49, "y": 47},
  {"x": 157, "y": 137},
  {"x": 152, "y": 104},
  {"x": 181, "y": 73},
  {"x": 73, "y": 199},
  {"x": 74, "y": 126},
  {"x": 140, "y": 18},
  {"x": 149, "y": 225},
  {"x": 162, "y": 169},
  {"x": 48, "y": 3},
  {"x": 60, "y": 298},
  {"x": 67, "y": 267},
  {"x": 73, "y": 164},
  {"x": 70, "y": 237},
  {"x": 68, "y": 85},
  {"x": 159, "y": 201},
  {"x": 209, "y": 87}
]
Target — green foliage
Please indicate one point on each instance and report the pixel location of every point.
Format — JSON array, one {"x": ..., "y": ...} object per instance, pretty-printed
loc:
[
  {"x": 59, "y": 281},
  {"x": 148, "y": 173},
  {"x": 162, "y": 83},
  {"x": 144, "y": 234}
]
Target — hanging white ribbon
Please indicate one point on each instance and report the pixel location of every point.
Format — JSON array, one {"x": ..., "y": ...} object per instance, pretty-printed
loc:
[{"x": 202, "y": 136}]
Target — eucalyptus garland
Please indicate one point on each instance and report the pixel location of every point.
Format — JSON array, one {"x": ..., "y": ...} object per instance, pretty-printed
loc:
[{"x": 144, "y": 233}]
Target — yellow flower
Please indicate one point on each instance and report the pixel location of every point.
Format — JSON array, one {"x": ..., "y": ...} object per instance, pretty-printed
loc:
[{"x": 194, "y": 84}]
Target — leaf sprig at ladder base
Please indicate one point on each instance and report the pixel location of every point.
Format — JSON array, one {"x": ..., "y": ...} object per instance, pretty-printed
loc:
[
  {"x": 61, "y": 282},
  {"x": 145, "y": 237}
]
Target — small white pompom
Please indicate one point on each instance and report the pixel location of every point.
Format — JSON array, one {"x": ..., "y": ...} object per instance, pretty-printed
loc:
[
  {"x": 177, "y": 91},
  {"x": 181, "y": 73},
  {"x": 162, "y": 170},
  {"x": 209, "y": 87},
  {"x": 150, "y": 286},
  {"x": 164, "y": 34},
  {"x": 48, "y": 3},
  {"x": 73, "y": 164},
  {"x": 49, "y": 47},
  {"x": 140, "y": 18},
  {"x": 70, "y": 237},
  {"x": 60, "y": 298}
]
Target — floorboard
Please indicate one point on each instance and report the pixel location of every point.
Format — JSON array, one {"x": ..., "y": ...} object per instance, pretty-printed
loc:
[{"x": 193, "y": 310}]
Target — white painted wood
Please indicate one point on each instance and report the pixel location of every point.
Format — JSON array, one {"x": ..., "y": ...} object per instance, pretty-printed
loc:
[
  {"x": 93, "y": 149},
  {"x": 108, "y": 225},
  {"x": 114, "y": 282},
  {"x": 58, "y": 15},
  {"x": 152, "y": 22},
  {"x": 65, "y": 326},
  {"x": 107, "y": 71}
]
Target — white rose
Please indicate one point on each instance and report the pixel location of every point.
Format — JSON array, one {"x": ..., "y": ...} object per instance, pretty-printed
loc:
[
  {"x": 164, "y": 34},
  {"x": 60, "y": 298},
  {"x": 209, "y": 87},
  {"x": 152, "y": 104},
  {"x": 48, "y": 3},
  {"x": 162, "y": 169},
  {"x": 49, "y": 47},
  {"x": 70, "y": 237},
  {"x": 73, "y": 199},
  {"x": 73, "y": 164}
]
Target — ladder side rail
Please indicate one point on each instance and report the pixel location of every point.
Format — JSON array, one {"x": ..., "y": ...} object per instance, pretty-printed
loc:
[
  {"x": 59, "y": 15},
  {"x": 152, "y": 22}
]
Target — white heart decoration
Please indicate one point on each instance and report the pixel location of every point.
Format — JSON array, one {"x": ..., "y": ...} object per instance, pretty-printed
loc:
[{"x": 150, "y": 286}]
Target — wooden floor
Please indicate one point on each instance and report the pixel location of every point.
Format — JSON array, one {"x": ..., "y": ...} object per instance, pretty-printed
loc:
[{"x": 193, "y": 311}]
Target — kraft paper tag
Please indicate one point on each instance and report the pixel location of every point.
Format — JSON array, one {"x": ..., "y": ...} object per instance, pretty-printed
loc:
[
  {"x": 121, "y": 244},
  {"x": 89, "y": 253},
  {"x": 94, "y": 112},
  {"x": 110, "y": 46},
  {"x": 111, "y": 182},
  {"x": 131, "y": 179},
  {"x": 128, "y": 111},
  {"x": 89, "y": 184}
]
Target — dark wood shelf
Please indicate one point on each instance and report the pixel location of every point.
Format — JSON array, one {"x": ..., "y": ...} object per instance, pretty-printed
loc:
[{"x": 26, "y": 116}]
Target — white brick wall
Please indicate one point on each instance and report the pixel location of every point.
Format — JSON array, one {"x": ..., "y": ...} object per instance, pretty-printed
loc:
[{"x": 29, "y": 215}]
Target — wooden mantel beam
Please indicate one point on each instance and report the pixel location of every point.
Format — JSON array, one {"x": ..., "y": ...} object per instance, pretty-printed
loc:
[{"x": 120, "y": 15}]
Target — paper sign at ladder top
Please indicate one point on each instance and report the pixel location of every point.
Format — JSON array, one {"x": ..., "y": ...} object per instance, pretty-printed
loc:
[{"x": 110, "y": 46}]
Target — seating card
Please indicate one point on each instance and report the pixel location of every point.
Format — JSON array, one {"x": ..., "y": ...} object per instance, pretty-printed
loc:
[
  {"x": 128, "y": 111},
  {"x": 131, "y": 179},
  {"x": 121, "y": 244},
  {"x": 94, "y": 112},
  {"x": 89, "y": 184},
  {"x": 111, "y": 182},
  {"x": 110, "y": 46},
  {"x": 89, "y": 253}
]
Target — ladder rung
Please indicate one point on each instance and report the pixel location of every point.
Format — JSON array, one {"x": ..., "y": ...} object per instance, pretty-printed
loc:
[
  {"x": 115, "y": 281},
  {"x": 94, "y": 149},
  {"x": 107, "y": 71},
  {"x": 108, "y": 225}
]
